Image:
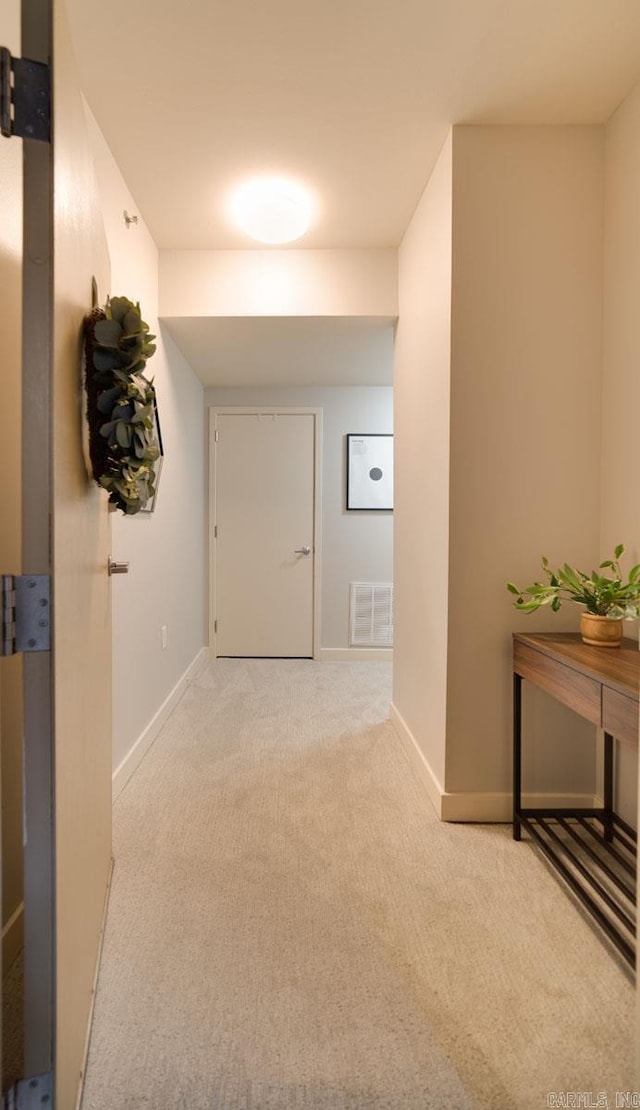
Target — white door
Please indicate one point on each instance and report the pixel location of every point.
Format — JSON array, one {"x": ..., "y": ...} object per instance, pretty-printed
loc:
[
  {"x": 81, "y": 531},
  {"x": 264, "y": 533},
  {"x": 66, "y": 715}
]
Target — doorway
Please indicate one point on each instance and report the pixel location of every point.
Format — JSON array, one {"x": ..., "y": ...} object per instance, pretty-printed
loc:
[
  {"x": 11, "y": 717},
  {"x": 265, "y": 518}
]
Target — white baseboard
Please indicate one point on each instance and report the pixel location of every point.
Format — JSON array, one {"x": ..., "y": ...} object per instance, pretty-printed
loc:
[
  {"x": 356, "y": 655},
  {"x": 498, "y": 808},
  {"x": 136, "y": 754},
  {"x": 13, "y": 937},
  {"x": 429, "y": 780},
  {"x": 495, "y": 808}
]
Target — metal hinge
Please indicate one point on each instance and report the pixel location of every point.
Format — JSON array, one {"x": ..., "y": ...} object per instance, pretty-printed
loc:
[
  {"x": 26, "y": 613},
  {"x": 25, "y": 98},
  {"x": 216, "y": 436},
  {"x": 30, "y": 1094},
  {"x": 215, "y": 626},
  {"x": 215, "y": 531}
]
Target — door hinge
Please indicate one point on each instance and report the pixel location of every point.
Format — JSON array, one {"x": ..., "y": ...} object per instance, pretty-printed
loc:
[
  {"x": 215, "y": 626},
  {"x": 215, "y": 531},
  {"x": 30, "y": 1094},
  {"x": 26, "y": 613},
  {"x": 25, "y": 98}
]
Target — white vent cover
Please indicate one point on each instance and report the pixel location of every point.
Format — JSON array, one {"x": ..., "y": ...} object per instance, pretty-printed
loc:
[{"x": 371, "y": 614}]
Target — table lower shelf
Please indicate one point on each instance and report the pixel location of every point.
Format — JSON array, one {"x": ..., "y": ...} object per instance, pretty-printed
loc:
[{"x": 595, "y": 852}]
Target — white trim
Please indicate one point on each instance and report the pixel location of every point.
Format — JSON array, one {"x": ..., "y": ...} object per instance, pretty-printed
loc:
[
  {"x": 498, "y": 808},
  {"x": 268, "y": 410},
  {"x": 495, "y": 808},
  {"x": 13, "y": 937},
  {"x": 136, "y": 754},
  {"x": 94, "y": 988},
  {"x": 428, "y": 778},
  {"x": 213, "y": 515},
  {"x": 317, "y": 532},
  {"x": 356, "y": 655}
]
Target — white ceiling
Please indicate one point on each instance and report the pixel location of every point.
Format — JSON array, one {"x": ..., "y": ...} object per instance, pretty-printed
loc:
[
  {"x": 295, "y": 350},
  {"x": 353, "y": 97}
]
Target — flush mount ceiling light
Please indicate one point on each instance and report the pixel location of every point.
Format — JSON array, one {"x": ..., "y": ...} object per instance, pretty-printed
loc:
[{"x": 272, "y": 209}]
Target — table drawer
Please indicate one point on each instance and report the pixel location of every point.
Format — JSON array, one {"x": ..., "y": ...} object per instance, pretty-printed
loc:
[
  {"x": 578, "y": 691},
  {"x": 620, "y": 716}
]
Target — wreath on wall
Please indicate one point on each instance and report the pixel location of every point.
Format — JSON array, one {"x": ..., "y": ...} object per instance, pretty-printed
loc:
[{"x": 124, "y": 441}]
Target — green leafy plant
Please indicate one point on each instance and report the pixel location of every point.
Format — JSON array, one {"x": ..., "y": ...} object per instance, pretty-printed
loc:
[
  {"x": 121, "y": 409},
  {"x": 604, "y": 595}
]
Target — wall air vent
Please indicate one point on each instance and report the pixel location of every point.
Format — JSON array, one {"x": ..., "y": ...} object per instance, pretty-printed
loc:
[{"x": 371, "y": 614}]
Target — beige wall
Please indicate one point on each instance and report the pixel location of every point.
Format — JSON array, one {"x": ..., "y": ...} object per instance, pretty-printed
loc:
[
  {"x": 621, "y": 362},
  {"x": 279, "y": 283},
  {"x": 165, "y": 550},
  {"x": 422, "y": 386},
  {"x": 510, "y": 233},
  {"x": 525, "y": 418},
  {"x": 10, "y": 509}
]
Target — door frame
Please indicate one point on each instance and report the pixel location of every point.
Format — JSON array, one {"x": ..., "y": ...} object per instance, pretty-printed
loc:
[
  {"x": 40, "y": 993},
  {"x": 268, "y": 410}
]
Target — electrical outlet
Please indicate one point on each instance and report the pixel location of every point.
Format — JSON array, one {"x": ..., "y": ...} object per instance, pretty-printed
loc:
[{"x": 164, "y": 636}]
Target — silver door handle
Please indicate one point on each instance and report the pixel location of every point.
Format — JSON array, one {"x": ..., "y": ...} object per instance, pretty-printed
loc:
[
  {"x": 117, "y": 568},
  {"x": 302, "y": 551}
]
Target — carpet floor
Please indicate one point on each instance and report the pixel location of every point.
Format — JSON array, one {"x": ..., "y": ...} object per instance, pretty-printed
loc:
[{"x": 291, "y": 928}]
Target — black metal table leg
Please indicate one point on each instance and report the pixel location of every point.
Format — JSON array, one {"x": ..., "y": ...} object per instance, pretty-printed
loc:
[
  {"x": 608, "y": 786},
  {"x": 517, "y": 754}
]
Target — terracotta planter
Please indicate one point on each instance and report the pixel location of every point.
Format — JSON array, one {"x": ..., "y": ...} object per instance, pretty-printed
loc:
[{"x": 601, "y": 631}]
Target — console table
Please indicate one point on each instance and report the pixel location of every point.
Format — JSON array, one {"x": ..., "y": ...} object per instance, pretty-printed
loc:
[{"x": 594, "y": 850}]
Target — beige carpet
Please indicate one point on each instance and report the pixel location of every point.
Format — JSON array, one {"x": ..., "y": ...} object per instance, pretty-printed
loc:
[{"x": 291, "y": 927}]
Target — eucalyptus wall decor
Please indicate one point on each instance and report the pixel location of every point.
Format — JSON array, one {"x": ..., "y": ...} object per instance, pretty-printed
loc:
[{"x": 124, "y": 439}]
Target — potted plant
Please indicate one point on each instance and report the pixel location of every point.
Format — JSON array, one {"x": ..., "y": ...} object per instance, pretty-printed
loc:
[{"x": 608, "y": 599}]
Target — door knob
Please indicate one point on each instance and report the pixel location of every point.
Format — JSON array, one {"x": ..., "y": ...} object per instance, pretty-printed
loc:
[
  {"x": 117, "y": 568},
  {"x": 302, "y": 550}
]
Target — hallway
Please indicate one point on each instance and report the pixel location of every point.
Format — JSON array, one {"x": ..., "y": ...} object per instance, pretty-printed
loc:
[{"x": 291, "y": 927}]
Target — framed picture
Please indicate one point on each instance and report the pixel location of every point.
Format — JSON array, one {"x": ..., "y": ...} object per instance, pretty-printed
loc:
[
  {"x": 370, "y": 472},
  {"x": 157, "y": 466}
]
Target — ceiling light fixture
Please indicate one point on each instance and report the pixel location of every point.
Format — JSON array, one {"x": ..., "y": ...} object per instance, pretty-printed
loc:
[{"x": 272, "y": 209}]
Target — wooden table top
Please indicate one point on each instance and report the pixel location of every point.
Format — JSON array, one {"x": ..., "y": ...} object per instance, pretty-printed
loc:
[{"x": 618, "y": 668}]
